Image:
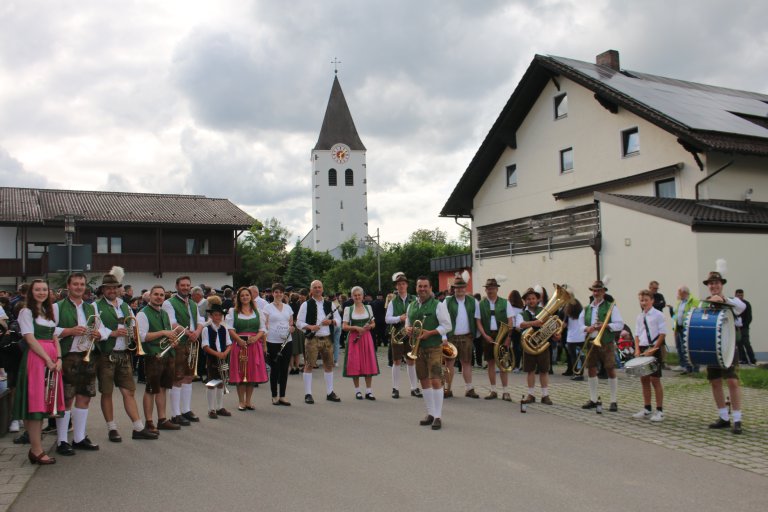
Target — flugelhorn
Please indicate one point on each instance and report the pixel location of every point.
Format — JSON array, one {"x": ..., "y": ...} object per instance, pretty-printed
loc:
[
  {"x": 418, "y": 328},
  {"x": 166, "y": 343},
  {"x": 133, "y": 337},
  {"x": 92, "y": 325}
]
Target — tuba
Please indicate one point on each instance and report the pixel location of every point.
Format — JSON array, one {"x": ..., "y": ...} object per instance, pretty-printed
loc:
[
  {"x": 536, "y": 340},
  {"x": 418, "y": 328},
  {"x": 503, "y": 356}
]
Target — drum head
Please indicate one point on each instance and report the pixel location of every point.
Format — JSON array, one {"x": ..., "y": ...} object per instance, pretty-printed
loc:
[
  {"x": 727, "y": 328},
  {"x": 639, "y": 361}
]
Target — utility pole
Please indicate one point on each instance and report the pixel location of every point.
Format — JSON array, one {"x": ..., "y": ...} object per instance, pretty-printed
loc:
[{"x": 375, "y": 240}]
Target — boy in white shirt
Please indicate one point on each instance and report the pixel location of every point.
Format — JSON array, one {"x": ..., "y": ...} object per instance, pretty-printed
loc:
[{"x": 650, "y": 331}]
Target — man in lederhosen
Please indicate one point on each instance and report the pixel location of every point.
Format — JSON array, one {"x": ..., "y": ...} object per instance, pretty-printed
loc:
[
  {"x": 395, "y": 318},
  {"x": 525, "y": 319},
  {"x": 491, "y": 312},
  {"x": 462, "y": 307},
  {"x": 114, "y": 365}
]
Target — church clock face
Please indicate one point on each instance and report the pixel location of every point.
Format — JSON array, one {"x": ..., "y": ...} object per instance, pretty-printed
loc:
[{"x": 340, "y": 153}]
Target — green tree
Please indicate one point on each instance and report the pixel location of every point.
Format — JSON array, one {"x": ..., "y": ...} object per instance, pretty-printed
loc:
[
  {"x": 430, "y": 236},
  {"x": 349, "y": 248},
  {"x": 299, "y": 273},
  {"x": 263, "y": 253}
]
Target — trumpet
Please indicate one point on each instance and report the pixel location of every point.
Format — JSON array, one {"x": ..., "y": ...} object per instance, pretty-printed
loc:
[
  {"x": 88, "y": 339},
  {"x": 166, "y": 343},
  {"x": 52, "y": 392},
  {"x": 418, "y": 328},
  {"x": 132, "y": 326},
  {"x": 242, "y": 362},
  {"x": 578, "y": 365}
]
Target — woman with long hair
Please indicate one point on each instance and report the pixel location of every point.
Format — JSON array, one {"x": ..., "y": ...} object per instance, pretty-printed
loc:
[
  {"x": 42, "y": 355},
  {"x": 279, "y": 320},
  {"x": 246, "y": 364},
  {"x": 360, "y": 360}
]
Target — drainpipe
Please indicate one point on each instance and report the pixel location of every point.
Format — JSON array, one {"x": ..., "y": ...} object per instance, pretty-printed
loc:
[
  {"x": 456, "y": 220},
  {"x": 711, "y": 176}
]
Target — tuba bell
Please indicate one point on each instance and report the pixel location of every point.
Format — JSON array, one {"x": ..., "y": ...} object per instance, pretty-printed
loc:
[
  {"x": 503, "y": 356},
  {"x": 536, "y": 340}
]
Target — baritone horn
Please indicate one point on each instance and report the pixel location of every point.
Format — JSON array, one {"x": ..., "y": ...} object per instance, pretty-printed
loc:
[{"x": 503, "y": 356}]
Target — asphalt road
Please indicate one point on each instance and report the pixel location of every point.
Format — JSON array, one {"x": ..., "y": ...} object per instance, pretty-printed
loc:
[{"x": 361, "y": 455}]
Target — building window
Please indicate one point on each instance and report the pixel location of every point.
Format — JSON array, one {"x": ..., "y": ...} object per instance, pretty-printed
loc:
[
  {"x": 512, "y": 175},
  {"x": 109, "y": 245},
  {"x": 332, "y": 178},
  {"x": 561, "y": 106},
  {"x": 665, "y": 188},
  {"x": 349, "y": 178},
  {"x": 342, "y": 226},
  {"x": 35, "y": 251},
  {"x": 566, "y": 160},
  {"x": 630, "y": 142},
  {"x": 341, "y": 205},
  {"x": 197, "y": 246}
]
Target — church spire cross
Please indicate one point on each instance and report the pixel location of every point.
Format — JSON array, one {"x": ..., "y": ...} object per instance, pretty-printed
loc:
[{"x": 335, "y": 63}]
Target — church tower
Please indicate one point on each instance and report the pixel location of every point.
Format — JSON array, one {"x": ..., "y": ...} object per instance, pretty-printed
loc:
[{"x": 339, "y": 181}]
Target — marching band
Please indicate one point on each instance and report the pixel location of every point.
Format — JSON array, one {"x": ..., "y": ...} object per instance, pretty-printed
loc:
[{"x": 71, "y": 344}]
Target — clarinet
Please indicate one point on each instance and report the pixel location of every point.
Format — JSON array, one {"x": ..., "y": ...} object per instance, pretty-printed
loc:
[{"x": 311, "y": 334}]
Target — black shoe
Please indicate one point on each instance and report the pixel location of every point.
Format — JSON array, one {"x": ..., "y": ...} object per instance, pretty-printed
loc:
[
  {"x": 49, "y": 429},
  {"x": 437, "y": 424},
  {"x": 115, "y": 437},
  {"x": 64, "y": 448},
  {"x": 369, "y": 396},
  {"x": 180, "y": 420},
  {"x": 614, "y": 407},
  {"x": 191, "y": 416},
  {"x": 736, "y": 427},
  {"x": 416, "y": 392},
  {"x": 85, "y": 444},
  {"x": 589, "y": 405},
  {"x": 358, "y": 396},
  {"x": 720, "y": 423},
  {"x": 427, "y": 421},
  {"x": 568, "y": 373},
  {"x": 308, "y": 399},
  {"x": 395, "y": 393},
  {"x": 332, "y": 397},
  {"x": 578, "y": 377},
  {"x": 144, "y": 434},
  {"x": 22, "y": 439}
]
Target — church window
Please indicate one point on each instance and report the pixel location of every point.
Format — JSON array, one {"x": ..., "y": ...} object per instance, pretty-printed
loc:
[
  {"x": 332, "y": 178},
  {"x": 349, "y": 178}
]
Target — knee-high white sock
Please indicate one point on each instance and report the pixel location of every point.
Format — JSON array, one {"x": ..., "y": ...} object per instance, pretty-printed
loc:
[
  {"x": 79, "y": 421},
  {"x": 437, "y": 400},
  {"x": 614, "y": 384},
  {"x": 186, "y": 397},
  {"x": 396, "y": 376},
  {"x": 412, "y": 376},
  {"x": 219, "y": 398},
  {"x": 328, "y": 382},
  {"x": 428, "y": 401},
  {"x": 210, "y": 394},
  {"x": 175, "y": 394},
  {"x": 62, "y": 427},
  {"x": 307, "y": 383},
  {"x": 592, "y": 381}
]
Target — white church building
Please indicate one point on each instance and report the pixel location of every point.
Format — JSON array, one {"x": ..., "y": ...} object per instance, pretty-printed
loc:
[{"x": 339, "y": 182}]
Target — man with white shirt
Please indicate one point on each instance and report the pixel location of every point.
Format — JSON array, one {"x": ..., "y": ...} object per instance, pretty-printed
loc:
[
  {"x": 592, "y": 319},
  {"x": 436, "y": 323},
  {"x": 114, "y": 365},
  {"x": 317, "y": 318},
  {"x": 79, "y": 376},
  {"x": 489, "y": 315},
  {"x": 258, "y": 302},
  {"x": 395, "y": 318},
  {"x": 650, "y": 332},
  {"x": 542, "y": 362},
  {"x": 715, "y": 375},
  {"x": 461, "y": 308},
  {"x": 183, "y": 311}
]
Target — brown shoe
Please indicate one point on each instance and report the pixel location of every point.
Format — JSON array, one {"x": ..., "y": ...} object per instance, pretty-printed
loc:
[
  {"x": 166, "y": 424},
  {"x": 427, "y": 421},
  {"x": 530, "y": 399},
  {"x": 471, "y": 394},
  {"x": 448, "y": 394},
  {"x": 114, "y": 436},
  {"x": 506, "y": 397},
  {"x": 223, "y": 412},
  {"x": 213, "y": 415},
  {"x": 546, "y": 400},
  {"x": 492, "y": 396},
  {"x": 144, "y": 434},
  {"x": 151, "y": 427},
  {"x": 436, "y": 424}
]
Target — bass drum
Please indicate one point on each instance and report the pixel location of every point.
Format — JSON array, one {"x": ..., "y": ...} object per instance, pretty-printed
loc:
[{"x": 709, "y": 337}]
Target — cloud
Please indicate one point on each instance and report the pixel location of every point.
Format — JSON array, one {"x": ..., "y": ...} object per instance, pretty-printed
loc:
[{"x": 14, "y": 174}]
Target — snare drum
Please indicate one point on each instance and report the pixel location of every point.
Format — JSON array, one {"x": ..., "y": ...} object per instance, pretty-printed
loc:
[
  {"x": 709, "y": 337},
  {"x": 641, "y": 366}
]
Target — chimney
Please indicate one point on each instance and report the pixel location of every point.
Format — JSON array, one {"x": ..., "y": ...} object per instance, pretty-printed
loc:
[{"x": 609, "y": 59}]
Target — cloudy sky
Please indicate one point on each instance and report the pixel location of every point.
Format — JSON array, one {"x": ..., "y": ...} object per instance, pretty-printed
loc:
[{"x": 226, "y": 98}]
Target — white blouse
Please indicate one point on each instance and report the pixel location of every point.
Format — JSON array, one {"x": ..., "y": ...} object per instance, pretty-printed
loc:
[
  {"x": 357, "y": 316},
  {"x": 26, "y": 322},
  {"x": 278, "y": 322},
  {"x": 229, "y": 322}
]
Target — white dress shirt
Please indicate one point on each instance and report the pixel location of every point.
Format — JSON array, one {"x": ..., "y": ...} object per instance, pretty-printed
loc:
[
  {"x": 206, "y": 341},
  {"x": 301, "y": 319},
  {"x": 390, "y": 318},
  {"x": 493, "y": 326},
  {"x": 120, "y": 341},
  {"x": 616, "y": 324},
  {"x": 462, "y": 318},
  {"x": 656, "y": 325}
]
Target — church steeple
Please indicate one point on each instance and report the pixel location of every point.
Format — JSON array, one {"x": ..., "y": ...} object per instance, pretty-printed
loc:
[{"x": 338, "y": 125}]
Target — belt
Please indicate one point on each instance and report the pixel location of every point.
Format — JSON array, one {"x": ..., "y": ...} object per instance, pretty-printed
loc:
[{"x": 117, "y": 354}]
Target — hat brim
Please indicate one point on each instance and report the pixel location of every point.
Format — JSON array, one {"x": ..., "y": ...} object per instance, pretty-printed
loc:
[
  {"x": 538, "y": 296},
  {"x": 722, "y": 280},
  {"x": 591, "y": 288}
]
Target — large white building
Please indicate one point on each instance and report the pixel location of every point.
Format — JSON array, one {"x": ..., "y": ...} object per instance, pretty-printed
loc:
[
  {"x": 339, "y": 182},
  {"x": 594, "y": 170}
]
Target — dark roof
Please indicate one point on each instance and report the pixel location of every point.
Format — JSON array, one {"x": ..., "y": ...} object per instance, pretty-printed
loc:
[
  {"x": 338, "y": 125},
  {"x": 642, "y": 177},
  {"x": 702, "y": 117},
  {"x": 43, "y": 206},
  {"x": 702, "y": 215}
]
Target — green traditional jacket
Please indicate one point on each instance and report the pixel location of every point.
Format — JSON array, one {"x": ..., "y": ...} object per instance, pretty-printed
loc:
[
  {"x": 68, "y": 318},
  {"x": 427, "y": 313},
  {"x": 500, "y": 312},
  {"x": 110, "y": 320},
  {"x": 158, "y": 321}
]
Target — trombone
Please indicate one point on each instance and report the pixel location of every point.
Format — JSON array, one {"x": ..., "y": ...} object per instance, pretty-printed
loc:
[{"x": 166, "y": 343}]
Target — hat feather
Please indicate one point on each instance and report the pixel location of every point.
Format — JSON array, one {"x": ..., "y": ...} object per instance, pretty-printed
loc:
[
  {"x": 721, "y": 266},
  {"x": 118, "y": 272}
]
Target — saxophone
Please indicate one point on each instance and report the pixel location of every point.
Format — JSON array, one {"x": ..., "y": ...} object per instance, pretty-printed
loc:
[{"x": 536, "y": 340}]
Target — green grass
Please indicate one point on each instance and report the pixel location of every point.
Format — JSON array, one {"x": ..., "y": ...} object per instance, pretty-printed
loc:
[{"x": 756, "y": 378}]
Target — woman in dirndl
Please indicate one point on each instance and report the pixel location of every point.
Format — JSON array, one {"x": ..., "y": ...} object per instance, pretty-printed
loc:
[
  {"x": 360, "y": 360},
  {"x": 41, "y": 355},
  {"x": 248, "y": 333}
]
